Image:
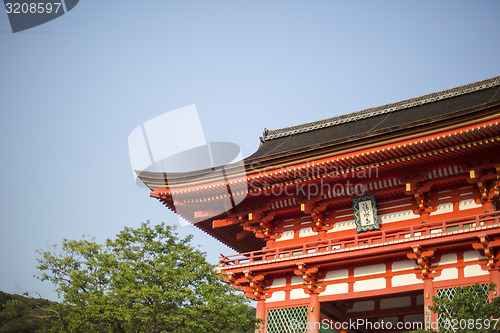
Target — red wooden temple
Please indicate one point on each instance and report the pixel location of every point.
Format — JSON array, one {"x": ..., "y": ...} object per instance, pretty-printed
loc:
[{"x": 360, "y": 219}]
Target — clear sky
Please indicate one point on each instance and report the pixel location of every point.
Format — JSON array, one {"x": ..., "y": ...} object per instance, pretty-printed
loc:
[{"x": 73, "y": 89}]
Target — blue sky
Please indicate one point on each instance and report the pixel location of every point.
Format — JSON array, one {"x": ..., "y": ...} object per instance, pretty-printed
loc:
[{"x": 73, "y": 89}]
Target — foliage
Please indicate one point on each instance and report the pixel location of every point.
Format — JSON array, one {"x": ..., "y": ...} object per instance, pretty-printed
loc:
[
  {"x": 469, "y": 311},
  {"x": 144, "y": 280},
  {"x": 26, "y": 314}
]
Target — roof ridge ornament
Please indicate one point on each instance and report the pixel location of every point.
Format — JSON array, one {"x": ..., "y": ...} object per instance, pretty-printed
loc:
[{"x": 379, "y": 110}]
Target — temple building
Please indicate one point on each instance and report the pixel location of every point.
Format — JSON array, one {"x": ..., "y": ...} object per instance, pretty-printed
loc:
[{"x": 357, "y": 220}]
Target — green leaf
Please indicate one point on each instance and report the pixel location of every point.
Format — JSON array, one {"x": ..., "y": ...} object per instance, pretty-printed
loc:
[{"x": 144, "y": 280}]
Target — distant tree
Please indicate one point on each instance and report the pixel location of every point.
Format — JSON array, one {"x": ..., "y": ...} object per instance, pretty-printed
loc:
[
  {"x": 469, "y": 311},
  {"x": 20, "y": 314},
  {"x": 144, "y": 280}
]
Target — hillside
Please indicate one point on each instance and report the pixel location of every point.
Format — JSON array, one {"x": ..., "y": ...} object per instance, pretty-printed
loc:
[{"x": 20, "y": 314}]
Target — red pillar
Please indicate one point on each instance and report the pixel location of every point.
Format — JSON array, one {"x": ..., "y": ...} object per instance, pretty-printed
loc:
[
  {"x": 313, "y": 313},
  {"x": 428, "y": 293},
  {"x": 495, "y": 278},
  {"x": 261, "y": 314}
]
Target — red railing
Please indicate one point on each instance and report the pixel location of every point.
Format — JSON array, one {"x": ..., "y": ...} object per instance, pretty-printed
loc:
[{"x": 372, "y": 238}]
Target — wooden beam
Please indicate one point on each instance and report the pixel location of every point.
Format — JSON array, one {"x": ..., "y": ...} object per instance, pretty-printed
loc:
[
  {"x": 242, "y": 280},
  {"x": 203, "y": 213},
  {"x": 224, "y": 222},
  {"x": 386, "y": 312}
]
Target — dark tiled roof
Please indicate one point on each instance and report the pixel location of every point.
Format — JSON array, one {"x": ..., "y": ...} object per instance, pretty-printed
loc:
[{"x": 428, "y": 108}]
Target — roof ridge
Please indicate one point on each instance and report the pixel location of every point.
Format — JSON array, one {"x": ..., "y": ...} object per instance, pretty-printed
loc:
[{"x": 383, "y": 109}]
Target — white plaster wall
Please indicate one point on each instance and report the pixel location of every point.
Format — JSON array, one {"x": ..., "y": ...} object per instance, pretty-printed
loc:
[
  {"x": 369, "y": 270},
  {"x": 443, "y": 208},
  {"x": 344, "y": 225},
  {"x": 474, "y": 270},
  {"x": 298, "y": 293},
  {"x": 468, "y": 204},
  {"x": 277, "y": 296},
  {"x": 449, "y": 258},
  {"x": 473, "y": 255},
  {"x": 337, "y": 288},
  {"x": 394, "y": 303},
  {"x": 447, "y": 274},
  {"x": 278, "y": 283},
  {"x": 363, "y": 306},
  {"x": 403, "y": 265},
  {"x": 337, "y": 274},
  {"x": 297, "y": 280},
  {"x": 397, "y": 216},
  {"x": 405, "y": 279},
  {"x": 371, "y": 284},
  {"x": 286, "y": 235},
  {"x": 306, "y": 232}
]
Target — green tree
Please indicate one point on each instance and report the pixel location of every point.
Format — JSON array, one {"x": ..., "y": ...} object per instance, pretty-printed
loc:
[
  {"x": 26, "y": 314},
  {"x": 469, "y": 311},
  {"x": 145, "y": 280}
]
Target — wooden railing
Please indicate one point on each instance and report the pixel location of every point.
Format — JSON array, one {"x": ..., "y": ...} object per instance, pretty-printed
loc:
[{"x": 372, "y": 238}]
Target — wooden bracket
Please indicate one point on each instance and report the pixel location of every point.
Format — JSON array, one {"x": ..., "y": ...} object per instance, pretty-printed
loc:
[
  {"x": 488, "y": 183},
  {"x": 487, "y": 246},
  {"x": 418, "y": 191},
  {"x": 423, "y": 258},
  {"x": 253, "y": 285},
  {"x": 259, "y": 223},
  {"x": 311, "y": 275},
  {"x": 315, "y": 210}
]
